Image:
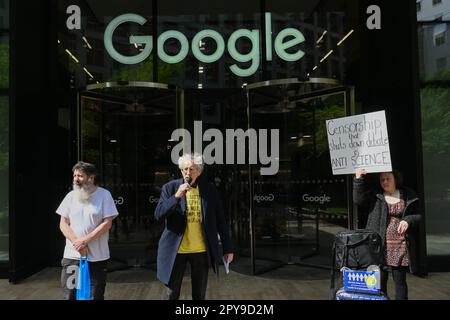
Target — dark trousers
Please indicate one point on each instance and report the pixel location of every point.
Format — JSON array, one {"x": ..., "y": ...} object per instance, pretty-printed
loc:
[
  {"x": 399, "y": 276},
  {"x": 199, "y": 275},
  {"x": 97, "y": 273}
]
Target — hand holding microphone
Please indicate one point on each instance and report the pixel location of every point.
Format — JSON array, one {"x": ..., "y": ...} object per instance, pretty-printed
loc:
[{"x": 183, "y": 188}]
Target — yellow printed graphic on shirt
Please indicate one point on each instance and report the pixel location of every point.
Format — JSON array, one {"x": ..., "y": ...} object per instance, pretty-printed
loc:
[{"x": 193, "y": 238}]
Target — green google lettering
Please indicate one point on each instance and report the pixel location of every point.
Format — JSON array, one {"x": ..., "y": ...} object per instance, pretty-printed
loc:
[{"x": 280, "y": 44}]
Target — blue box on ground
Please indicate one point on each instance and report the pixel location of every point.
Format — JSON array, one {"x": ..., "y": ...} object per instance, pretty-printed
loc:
[
  {"x": 361, "y": 281},
  {"x": 341, "y": 294}
]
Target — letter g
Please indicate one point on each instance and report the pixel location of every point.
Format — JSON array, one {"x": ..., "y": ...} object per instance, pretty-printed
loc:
[{"x": 147, "y": 40}]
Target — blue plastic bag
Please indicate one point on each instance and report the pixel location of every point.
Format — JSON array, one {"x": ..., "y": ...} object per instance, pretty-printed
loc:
[{"x": 84, "y": 280}]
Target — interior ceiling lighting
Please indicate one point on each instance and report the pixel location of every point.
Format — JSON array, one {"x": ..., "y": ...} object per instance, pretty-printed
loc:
[
  {"x": 72, "y": 56},
  {"x": 326, "y": 56},
  {"x": 345, "y": 37},
  {"x": 321, "y": 37},
  {"x": 201, "y": 45},
  {"x": 87, "y": 71},
  {"x": 315, "y": 67},
  {"x": 87, "y": 43}
]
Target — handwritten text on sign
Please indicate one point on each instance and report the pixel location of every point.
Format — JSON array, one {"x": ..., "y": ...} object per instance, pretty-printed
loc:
[{"x": 359, "y": 141}]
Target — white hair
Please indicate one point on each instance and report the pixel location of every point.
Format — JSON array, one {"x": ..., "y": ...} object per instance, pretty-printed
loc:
[
  {"x": 83, "y": 192},
  {"x": 188, "y": 157}
]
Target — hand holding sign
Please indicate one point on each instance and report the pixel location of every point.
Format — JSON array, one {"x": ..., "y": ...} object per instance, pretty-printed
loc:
[{"x": 360, "y": 172}]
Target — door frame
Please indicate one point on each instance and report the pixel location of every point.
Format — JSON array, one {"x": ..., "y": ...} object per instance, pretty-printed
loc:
[
  {"x": 334, "y": 88},
  {"x": 94, "y": 92},
  {"x": 349, "y": 101}
]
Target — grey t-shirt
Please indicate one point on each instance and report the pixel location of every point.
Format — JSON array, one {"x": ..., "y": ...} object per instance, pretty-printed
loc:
[{"x": 84, "y": 218}]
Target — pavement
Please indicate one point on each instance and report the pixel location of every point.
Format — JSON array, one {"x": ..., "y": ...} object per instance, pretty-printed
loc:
[{"x": 290, "y": 282}]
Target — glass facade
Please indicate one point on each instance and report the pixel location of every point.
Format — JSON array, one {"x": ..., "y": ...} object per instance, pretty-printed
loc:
[
  {"x": 434, "y": 60},
  {"x": 4, "y": 60},
  {"x": 4, "y": 170},
  {"x": 324, "y": 36},
  {"x": 203, "y": 63},
  {"x": 124, "y": 132},
  {"x": 297, "y": 211},
  {"x": 4, "y": 131},
  {"x": 125, "y": 85}
]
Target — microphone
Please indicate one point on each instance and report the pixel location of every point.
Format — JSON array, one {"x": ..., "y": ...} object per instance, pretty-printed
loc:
[{"x": 188, "y": 180}]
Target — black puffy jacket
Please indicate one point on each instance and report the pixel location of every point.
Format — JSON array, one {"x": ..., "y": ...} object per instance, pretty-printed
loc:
[{"x": 373, "y": 201}]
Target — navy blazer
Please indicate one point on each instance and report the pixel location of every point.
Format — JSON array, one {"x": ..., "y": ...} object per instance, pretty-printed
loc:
[{"x": 174, "y": 212}]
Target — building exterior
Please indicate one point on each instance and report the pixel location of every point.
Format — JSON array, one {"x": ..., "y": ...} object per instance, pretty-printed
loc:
[
  {"x": 433, "y": 14},
  {"x": 65, "y": 96}
]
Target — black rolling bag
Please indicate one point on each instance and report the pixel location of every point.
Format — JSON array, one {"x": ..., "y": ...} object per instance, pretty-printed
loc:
[{"x": 355, "y": 250}]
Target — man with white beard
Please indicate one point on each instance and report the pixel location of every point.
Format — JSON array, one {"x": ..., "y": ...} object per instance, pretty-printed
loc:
[{"x": 86, "y": 214}]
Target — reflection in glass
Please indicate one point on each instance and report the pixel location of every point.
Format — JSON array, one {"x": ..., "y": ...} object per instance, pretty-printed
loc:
[
  {"x": 225, "y": 109},
  {"x": 434, "y": 45},
  {"x": 436, "y": 156},
  {"x": 126, "y": 132},
  {"x": 433, "y": 10},
  {"x": 298, "y": 211},
  {"x": 4, "y": 61},
  {"x": 4, "y": 133},
  {"x": 329, "y": 38},
  {"x": 4, "y": 174},
  {"x": 434, "y": 62},
  {"x": 4, "y": 14},
  {"x": 88, "y": 61}
]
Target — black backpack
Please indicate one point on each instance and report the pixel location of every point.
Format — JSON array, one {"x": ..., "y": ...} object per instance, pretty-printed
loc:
[{"x": 356, "y": 249}]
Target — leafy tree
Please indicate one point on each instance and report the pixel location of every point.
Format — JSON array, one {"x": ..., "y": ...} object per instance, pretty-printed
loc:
[
  {"x": 4, "y": 107},
  {"x": 329, "y": 112},
  {"x": 435, "y": 104},
  {"x": 167, "y": 73}
]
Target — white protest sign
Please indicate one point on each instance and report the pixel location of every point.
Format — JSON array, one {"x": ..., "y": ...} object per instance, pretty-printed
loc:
[{"x": 359, "y": 141}]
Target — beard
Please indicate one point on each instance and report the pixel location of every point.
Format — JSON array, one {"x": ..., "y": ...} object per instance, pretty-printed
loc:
[{"x": 84, "y": 191}]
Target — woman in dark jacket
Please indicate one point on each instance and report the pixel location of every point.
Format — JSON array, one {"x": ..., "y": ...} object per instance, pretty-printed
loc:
[{"x": 393, "y": 213}]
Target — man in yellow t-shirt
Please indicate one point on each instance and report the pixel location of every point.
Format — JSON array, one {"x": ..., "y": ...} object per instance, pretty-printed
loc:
[{"x": 194, "y": 217}]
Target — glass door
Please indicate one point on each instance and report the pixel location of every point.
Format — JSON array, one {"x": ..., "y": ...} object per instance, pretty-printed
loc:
[
  {"x": 222, "y": 110},
  {"x": 296, "y": 212},
  {"x": 124, "y": 129}
]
